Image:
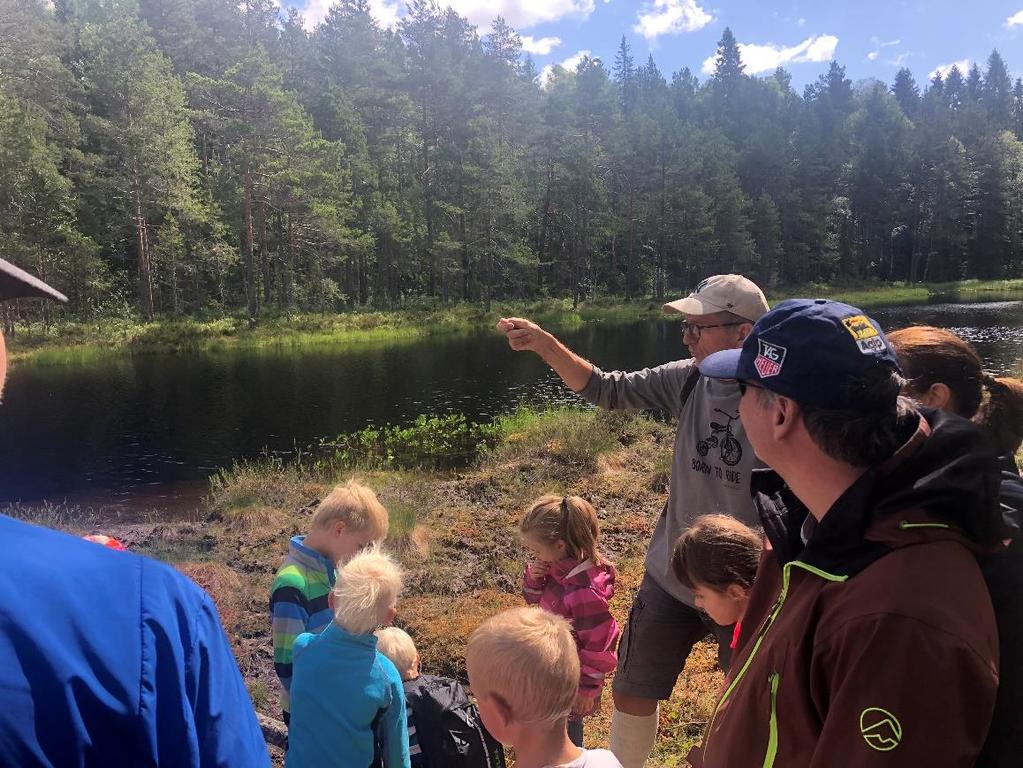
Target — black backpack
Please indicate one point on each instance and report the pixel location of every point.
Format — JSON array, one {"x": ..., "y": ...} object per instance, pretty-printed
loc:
[{"x": 450, "y": 731}]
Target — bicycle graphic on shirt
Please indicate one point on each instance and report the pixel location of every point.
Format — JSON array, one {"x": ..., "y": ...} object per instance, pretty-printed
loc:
[{"x": 729, "y": 447}]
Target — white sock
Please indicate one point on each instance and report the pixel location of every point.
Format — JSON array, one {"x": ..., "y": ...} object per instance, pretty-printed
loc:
[{"x": 633, "y": 737}]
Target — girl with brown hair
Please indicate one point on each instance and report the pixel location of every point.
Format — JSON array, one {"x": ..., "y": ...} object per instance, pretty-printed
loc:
[
  {"x": 945, "y": 372},
  {"x": 717, "y": 558}
]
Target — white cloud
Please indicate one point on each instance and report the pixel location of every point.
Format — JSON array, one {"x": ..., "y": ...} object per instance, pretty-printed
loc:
[
  {"x": 314, "y": 11},
  {"x": 1016, "y": 20},
  {"x": 875, "y": 54},
  {"x": 801, "y": 22},
  {"x": 669, "y": 17},
  {"x": 767, "y": 57},
  {"x": 963, "y": 65},
  {"x": 901, "y": 59},
  {"x": 568, "y": 65},
  {"x": 386, "y": 12},
  {"x": 540, "y": 46},
  {"x": 520, "y": 14}
]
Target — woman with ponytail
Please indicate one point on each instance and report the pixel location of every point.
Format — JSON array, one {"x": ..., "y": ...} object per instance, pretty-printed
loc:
[{"x": 944, "y": 371}]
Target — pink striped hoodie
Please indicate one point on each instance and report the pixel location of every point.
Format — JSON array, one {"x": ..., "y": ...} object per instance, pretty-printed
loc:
[{"x": 579, "y": 591}]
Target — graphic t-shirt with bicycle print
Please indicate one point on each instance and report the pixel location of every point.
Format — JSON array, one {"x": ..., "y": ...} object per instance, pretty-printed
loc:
[{"x": 712, "y": 460}]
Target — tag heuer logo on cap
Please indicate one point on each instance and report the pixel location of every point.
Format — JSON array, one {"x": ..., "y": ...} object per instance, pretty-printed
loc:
[{"x": 770, "y": 359}]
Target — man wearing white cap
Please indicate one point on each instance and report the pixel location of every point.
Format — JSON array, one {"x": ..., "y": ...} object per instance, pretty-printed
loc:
[{"x": 710, "y": 474}]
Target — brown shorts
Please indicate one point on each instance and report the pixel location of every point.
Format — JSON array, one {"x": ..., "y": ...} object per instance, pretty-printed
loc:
[{"x": 660, "y": 633}]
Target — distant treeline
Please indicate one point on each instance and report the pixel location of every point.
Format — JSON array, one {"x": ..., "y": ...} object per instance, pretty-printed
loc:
[{"x": 204, "y": 156}]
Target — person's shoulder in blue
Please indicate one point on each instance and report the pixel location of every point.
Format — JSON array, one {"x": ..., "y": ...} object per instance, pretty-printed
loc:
[
  {"x": 107, "y": 658},
  {"x": 111, "y": 658},
  {"x": 347, "y": 701}
]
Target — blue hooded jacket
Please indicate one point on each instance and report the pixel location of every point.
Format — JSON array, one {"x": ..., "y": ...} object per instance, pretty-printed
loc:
[{"x": 111, "y": 659}]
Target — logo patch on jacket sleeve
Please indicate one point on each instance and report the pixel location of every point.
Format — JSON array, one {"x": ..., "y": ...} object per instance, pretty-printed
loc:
[
  {"x": 770, "y": 359},
  {"x": 880, "y": 729}
]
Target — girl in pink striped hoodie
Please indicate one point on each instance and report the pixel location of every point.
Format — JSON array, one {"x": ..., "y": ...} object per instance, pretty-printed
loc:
[{"x": 569, "y": 577}]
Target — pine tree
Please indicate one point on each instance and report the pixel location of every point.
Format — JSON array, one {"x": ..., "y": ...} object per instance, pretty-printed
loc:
[
  {"x": 996, "y": 93},
  {"x": 624, "y": 74},
  {"x": 906, "y": 93},
  {"x": 765, "y": 227},
  {"x": 140, "y": 126},
  {"x": 1017, "y": 108}
]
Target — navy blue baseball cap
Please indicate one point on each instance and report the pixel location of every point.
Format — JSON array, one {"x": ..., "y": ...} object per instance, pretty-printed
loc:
[{"x": 807, "y": 349}]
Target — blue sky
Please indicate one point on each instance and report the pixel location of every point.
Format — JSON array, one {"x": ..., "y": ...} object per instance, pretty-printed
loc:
[{"x": 871, "y": 38}]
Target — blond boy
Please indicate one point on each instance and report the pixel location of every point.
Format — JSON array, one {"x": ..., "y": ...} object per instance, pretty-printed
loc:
[
  {"x": 524, "y": 671},
  {"x": 348, "y": 706},
  {"x": 396, "y": 645},
  {"x": 348, "y": 520}
]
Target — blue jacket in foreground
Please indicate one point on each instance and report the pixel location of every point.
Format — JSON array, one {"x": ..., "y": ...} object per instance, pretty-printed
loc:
[
  {"x": 111, "y": 659},
  {"x": 347, "y": 704}
]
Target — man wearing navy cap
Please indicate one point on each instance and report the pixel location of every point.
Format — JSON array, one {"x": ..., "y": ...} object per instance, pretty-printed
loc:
[
  {"x": 869, "y": 639},
  {"x": 108, "y": 658}
]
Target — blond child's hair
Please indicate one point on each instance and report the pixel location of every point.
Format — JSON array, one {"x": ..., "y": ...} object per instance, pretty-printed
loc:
[
  {"x": 396, "y": 645},
  {"x": 570, "y": 519},
  {"x": 356, "y": 506},
  {"x": 527, "y": 658},
  {"x": 365, "y": 591},
  {"x": 717, "y": 551}
]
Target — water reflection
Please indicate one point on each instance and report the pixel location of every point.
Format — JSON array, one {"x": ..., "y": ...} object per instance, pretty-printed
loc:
[{"x": 147, "y": 430}]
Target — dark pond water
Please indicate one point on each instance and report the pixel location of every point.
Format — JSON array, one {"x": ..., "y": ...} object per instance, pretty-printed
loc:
[{"x": 145, "y": 431}]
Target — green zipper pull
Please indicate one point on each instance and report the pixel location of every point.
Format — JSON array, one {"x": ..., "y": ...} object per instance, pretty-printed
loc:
[{"x": 772, "y": 735}]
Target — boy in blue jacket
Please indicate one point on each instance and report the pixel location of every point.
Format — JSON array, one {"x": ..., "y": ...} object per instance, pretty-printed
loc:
[{"x": 347, "y": 702}]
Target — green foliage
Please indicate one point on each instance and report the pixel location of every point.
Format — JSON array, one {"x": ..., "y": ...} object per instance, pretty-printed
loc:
[
  {"x": 261, "y": 492},
  {"x": 570, "y": 437},
  {"x": 430, "y": 442},
  {"x": 208, "y": 158}
]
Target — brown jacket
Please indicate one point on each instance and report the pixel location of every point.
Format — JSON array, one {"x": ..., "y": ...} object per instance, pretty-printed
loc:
[{"x": 875, "y": 644}]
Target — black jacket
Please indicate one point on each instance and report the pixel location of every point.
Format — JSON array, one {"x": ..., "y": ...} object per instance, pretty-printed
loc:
[{"x": 1003, "y": 572}]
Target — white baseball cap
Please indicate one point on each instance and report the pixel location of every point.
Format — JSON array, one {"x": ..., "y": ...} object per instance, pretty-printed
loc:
[{"x": 723, "y": 293}]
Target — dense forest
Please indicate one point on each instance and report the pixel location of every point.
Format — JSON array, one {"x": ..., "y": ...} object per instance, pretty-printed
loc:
[{"x": 206, "y": 156}]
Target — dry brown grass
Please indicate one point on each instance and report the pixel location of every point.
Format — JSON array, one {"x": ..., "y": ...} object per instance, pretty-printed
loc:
[
  {"x": 223, "y": 585},
  {"x": 456, "y": 536}
]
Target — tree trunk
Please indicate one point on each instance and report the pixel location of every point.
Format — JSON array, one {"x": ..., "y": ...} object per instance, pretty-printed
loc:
[
  {"x": 431, "y": 266},
  {"x": 466, "y": 255},
  {"x": 630, "y": 246},
  {"x": 145, "y": 285},
  {"x": 264, "y": 254},
  {"x": 541, "y": 235},
  {"x": 659, "y": 270},
  {"x": 44, "y": 306},
  {"x": 289, "y": 289},
  {"x": 248, "y": 267},
  {"x": 175, "y": 304}
]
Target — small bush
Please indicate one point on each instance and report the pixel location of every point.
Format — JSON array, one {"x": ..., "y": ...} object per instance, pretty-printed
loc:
[
  {"x": 430, "y": 442},
  {"x": 260, "y": 492},
  {"x": 566, "y": 436}
]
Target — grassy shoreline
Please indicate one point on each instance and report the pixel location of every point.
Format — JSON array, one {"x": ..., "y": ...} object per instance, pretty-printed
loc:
[
  {"x": 80, "y": 340},
  {"x": 455, "y": 533}
]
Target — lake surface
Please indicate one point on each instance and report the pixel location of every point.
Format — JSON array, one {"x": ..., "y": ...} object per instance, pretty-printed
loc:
[{"x": 144, "y": 432}]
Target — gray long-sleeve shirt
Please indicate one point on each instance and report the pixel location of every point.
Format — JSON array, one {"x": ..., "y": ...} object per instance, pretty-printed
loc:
[{"x": 710, "y": 470}]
